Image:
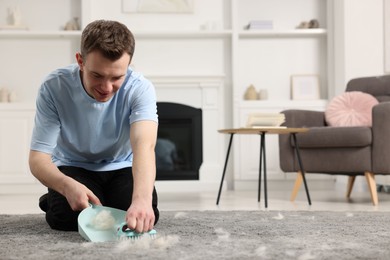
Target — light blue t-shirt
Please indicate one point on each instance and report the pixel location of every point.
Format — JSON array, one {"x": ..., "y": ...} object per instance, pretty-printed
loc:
[{"x": 79, "y": 131}]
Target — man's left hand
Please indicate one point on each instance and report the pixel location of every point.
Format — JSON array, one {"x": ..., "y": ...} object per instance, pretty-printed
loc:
[{"x": 140, "y": 216}]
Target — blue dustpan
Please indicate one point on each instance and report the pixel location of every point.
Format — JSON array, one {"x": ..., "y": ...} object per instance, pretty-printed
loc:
[{"x": 90, "y": 233}]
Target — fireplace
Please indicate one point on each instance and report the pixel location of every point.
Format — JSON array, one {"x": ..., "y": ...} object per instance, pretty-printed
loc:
[{"x": 179, "y": 142}]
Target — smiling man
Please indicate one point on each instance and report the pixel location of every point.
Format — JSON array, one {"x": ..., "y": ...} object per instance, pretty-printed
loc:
[{"x": 95, "y": 133}]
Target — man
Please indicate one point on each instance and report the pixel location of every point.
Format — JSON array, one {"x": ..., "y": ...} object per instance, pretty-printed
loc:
[{"x": 95, "y": 133}]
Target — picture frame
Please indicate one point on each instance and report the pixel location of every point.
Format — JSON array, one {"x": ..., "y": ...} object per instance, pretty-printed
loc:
[
  {"x": 386, "y": 6},
  {"x": 158, "y": 6},
  {"x": 305, "y": 87}
]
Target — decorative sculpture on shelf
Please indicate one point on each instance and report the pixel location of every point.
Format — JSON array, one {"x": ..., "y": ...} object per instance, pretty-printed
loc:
[
  {"x": 312, "y": 24},
  {"x": 14, "y": 16},
  {"x": 14, "y": 20},
  {"x": 72, "y": 25},
  {"x": 7, "y": 95},
  {"x": 250, "y": 93},
  {"x": 3, "y": 95}
]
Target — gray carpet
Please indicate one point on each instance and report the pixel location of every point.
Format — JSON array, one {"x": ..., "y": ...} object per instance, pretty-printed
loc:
[{"x": 299, "y": 235}]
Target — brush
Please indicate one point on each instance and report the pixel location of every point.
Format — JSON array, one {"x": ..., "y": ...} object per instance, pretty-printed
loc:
[{"x": 125, "y": 233}]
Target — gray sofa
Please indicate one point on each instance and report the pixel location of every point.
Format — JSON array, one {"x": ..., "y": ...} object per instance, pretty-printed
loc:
[{"x": 350, "y": 151}]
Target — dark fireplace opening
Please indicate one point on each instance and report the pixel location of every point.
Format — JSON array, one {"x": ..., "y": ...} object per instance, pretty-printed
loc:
[{"x": 179, "y": 142}]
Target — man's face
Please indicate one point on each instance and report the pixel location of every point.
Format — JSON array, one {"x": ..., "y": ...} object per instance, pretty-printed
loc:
[{"x": 102, "y": 77}]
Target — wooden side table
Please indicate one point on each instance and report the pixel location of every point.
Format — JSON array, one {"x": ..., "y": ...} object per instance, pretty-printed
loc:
[{"x": 262, "y": 131}]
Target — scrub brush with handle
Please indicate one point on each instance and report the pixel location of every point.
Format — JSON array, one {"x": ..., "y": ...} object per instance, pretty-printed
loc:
[{"x": 125, "y": 233}]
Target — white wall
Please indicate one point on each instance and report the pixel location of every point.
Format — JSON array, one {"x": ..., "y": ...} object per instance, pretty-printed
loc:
[
  {"x": 359, "y": 40},
  {"x": 359, "y": 49},
  {"x": 357, "y": 25}
]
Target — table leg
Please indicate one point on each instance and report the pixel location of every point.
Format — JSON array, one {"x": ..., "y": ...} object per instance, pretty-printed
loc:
[
  {"x": 301, "y": 166},
  {"x": 224, "y": 168},
  {"x": 264, "y": 169},
  {"x": 260, "y": 167}
]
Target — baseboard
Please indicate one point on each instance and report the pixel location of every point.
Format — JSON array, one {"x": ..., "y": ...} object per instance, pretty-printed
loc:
[
  {"x": 161, "y": 186},
  {"x": 188, "y": 186},
  {"x": 282, "y": 185},
  {"x": 22, "y": 189}
]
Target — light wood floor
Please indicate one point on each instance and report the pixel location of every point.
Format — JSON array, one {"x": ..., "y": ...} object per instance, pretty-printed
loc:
[{"x": 332, "y": 199}]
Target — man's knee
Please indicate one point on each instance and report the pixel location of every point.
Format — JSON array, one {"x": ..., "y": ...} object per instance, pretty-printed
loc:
[
  {"x": 155, "y": 206},
  {"x": 64, "y": 222},
  {"x": 59, "y": 214}
]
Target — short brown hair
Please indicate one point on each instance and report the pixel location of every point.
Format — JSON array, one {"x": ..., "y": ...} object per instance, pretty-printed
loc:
[{"x": 110, "y": 38}]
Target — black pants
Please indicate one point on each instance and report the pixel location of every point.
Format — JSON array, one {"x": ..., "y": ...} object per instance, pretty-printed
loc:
[{"x": 113, "y": 188}]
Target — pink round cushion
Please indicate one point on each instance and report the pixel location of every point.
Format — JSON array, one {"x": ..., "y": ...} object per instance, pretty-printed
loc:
[{"x": 352, "y": 108}]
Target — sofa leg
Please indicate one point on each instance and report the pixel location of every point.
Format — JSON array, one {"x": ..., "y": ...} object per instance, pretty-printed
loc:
[
  {"x": 351, "y": 181},
  {"x": 370, "y": 177},
  {"x": 297, "y": 185}
]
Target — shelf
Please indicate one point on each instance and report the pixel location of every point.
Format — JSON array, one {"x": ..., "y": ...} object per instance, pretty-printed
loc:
[
  {"x": 182, "y": 34},
  {"x": 186, "y": 81},
  {"x": 282, "y": 33},
  {"x": 17, "y": 106},
  {"x": 185, "y": 76},
  {"x": 33, "y": 34},
  {"x": 272, "y": 103},
  {"x": 137, "y": 34}
]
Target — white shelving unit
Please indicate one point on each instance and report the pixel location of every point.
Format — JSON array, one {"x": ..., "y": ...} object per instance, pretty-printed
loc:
[
  {"x": 27, "y": 57},
  {"x": 267, "y": 59}
]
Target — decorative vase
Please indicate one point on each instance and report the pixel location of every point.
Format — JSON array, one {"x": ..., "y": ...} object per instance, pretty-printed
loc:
[
  {"x": 12, "y": 96},
  {"x": 72, "y": 25},
  {"x": 250, "y": 93},
  {"x": 263, "y": 94},
  {"x": 3, "y": 95},
  {"x": 14, "y": 16}
]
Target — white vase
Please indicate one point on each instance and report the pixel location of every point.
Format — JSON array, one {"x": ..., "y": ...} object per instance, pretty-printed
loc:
[
  {"x": 12, "y": 96},
  {"x": 3, "y": 95},
  {"x": 263, "y": 94}
]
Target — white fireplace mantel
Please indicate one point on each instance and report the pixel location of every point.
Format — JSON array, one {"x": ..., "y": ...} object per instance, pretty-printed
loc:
[{"x": 204, "y": 92}]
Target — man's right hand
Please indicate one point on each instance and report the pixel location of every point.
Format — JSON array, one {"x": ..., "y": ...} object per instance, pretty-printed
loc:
[{"x": 78, "y": 195}]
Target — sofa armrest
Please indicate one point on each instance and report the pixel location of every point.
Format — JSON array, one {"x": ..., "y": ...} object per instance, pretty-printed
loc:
[
  {"x": 304, "y": 118},
  {"x": 296, "y": 118},
  {"x": 381, "y": 138}
]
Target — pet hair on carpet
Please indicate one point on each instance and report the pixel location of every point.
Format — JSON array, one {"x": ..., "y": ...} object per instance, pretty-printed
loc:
[
  {"x": 146, "y": 243},
  {"x": 298, "y": 235}
]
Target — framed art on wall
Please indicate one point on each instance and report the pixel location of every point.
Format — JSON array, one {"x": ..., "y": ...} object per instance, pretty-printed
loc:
[
  {"x": 386, "y": 14},
  {"x": 157, "y": 6},
  {"x": 305, "y": 87}
]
